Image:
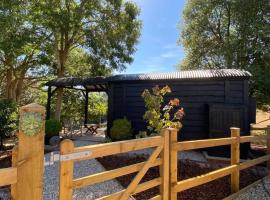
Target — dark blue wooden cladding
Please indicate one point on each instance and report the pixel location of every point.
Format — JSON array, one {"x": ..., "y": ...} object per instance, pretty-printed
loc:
[{"x": 196, "y": 97}]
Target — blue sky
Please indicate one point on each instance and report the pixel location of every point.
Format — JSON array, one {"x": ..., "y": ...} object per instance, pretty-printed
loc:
[{"x": 157, "y": 50}]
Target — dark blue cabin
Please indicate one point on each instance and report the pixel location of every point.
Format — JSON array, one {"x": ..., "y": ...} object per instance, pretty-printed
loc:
[{"x": 214, "y": 100}]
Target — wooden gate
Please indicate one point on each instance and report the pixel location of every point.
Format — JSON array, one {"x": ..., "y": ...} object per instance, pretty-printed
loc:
[{"x": 159, "y": 157}]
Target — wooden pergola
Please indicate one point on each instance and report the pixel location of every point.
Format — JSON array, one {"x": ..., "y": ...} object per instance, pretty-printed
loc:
[{"x": 85, "y": 85}]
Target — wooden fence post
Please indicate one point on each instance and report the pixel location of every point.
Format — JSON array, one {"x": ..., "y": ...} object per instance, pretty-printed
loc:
[
  {"x": 268, "y": 145},
  {"x": 66, "y": 171},
  {"x": 235, "y": 160},
  {"x": 164, "y": 167},
  {"x": 173, "y": 163},
  {"x": 30, "y": 158}
]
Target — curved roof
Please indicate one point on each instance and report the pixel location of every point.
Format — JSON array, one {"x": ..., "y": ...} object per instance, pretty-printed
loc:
[{"x": 100, "y": 82}]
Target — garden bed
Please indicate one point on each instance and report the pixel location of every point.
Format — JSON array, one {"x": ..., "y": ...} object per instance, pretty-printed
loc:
[{"x": 214, "y": 190}]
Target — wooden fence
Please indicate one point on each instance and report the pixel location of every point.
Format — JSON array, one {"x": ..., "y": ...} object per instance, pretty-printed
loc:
[
  {"x": 233, "y": 169},
  {"x": 26, "y": 174}
]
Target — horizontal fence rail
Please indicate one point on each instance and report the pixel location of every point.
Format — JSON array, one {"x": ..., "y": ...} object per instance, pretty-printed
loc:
[
  {"x": 233, "y": 169},
  {"x": 199, "y": 144},
  {"x": 113, "y": 148},
  {"x": 8, "y": 176},
  {"x": 199, "y": 180}
]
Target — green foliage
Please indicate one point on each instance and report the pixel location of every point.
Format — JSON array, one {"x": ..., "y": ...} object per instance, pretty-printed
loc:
[
  {"x": 73, "y": 107},
  {"x": 159, "y": 117},
  {"x": 121, "y": 130},
  {"x": 107, "y": 30},
  {"x": 8, "y": 118},
  {"x": 22, "y": 49},
  {"x": 229, "y": 34},
  {"x": 141, "y": 134},
  {"x": 63, "y": 38},
  {"x": 52, "y": 127},
  {"x": 108, "y": 140},
  {"x": 98, "y": 106},
  {"x": 78, "y": 65}
]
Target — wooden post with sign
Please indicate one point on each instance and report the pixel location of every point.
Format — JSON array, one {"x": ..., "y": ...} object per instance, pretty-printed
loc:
[{"x": 30, "y": 154}]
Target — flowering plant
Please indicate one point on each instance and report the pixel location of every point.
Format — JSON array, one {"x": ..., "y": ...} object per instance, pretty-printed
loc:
[{"x": 159, "y": 117}]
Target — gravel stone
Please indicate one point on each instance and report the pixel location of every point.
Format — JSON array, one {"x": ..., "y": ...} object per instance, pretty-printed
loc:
[
  {"x": 260, "y": 191},
  {"x": 4, "y": 194}
]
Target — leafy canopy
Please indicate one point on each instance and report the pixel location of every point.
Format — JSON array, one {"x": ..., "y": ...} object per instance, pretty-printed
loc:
[
  {"x": 106, "y": 30},
  {"x": 229, "y": 34}
]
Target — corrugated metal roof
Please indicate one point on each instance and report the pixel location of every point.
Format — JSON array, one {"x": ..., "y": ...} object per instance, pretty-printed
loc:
[{"x": 192, "y": 74}]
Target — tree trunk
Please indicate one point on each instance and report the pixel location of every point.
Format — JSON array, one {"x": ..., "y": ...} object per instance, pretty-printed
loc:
[
  {"x": 60, "y": 91},
  {"x": 14, "y": 85},
  {"x": 62, "y": 50},
  {"x": 9, "y": 76}
]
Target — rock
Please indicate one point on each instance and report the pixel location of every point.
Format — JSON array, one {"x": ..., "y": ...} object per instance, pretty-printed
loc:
[{"x": 54, "y": 140}]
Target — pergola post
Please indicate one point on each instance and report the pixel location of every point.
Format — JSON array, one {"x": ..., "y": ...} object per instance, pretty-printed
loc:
[
  {"x": 48, "y": 107},
  {"x": 86, "y": 108}
]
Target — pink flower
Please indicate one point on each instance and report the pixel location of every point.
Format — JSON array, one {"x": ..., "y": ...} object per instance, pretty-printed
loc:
[{"x": 180, "y": 113}]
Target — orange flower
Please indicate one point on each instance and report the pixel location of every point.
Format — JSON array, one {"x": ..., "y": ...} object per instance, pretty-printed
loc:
[{"x": 174, "y": 102}]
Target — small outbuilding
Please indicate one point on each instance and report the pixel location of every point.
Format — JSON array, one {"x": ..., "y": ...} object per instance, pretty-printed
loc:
[{"x": 213, "y": 100}]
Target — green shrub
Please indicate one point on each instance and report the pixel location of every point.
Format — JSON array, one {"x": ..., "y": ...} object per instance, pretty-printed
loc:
[
  {"x": 121, "y": 130},
  {"x": 141, "y": 134},
  {"x": 52, "y": 127}
]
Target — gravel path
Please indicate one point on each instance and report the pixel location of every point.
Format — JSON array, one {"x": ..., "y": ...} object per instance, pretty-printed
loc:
[
  {"x": 260, "y": 191},
  {"x": 82, "y": 168}
]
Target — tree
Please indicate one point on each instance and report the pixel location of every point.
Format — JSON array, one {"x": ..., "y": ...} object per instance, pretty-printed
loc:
[
  {"x": 21, "y": 55},
  {"x": 107, "y": 30},
  {"x": 228, "y": 34}
]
